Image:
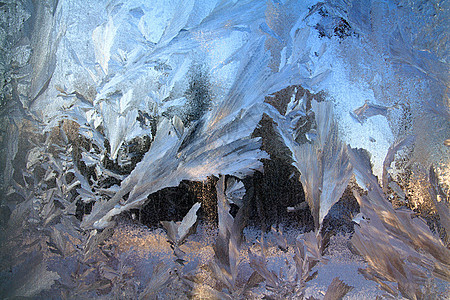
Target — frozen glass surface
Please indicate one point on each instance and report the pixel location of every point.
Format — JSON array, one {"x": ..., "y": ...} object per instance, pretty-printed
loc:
[{"x": 109, "y": 109}]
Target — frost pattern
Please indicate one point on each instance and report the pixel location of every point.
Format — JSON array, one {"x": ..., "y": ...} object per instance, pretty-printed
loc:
[
  {"x": 323, "y": 161},
  {"x": 103, "y": 103}
]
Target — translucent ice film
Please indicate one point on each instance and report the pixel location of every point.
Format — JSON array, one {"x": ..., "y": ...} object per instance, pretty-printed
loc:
[{"x": 224, "y": 149}]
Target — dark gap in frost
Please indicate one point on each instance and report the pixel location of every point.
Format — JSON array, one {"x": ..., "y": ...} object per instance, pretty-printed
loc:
[
  {"x": 281, "y": 98},
  {"x": 130, "y": 154},
  {"x": 173, "y": 203},
  {"x": 278, "y": 187},
  {"x": 331, "y": 25},
  {"x": 339, "y": 218},
  {"x": 268, "y": 195},
  {"x": 83, "y": 208}
]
